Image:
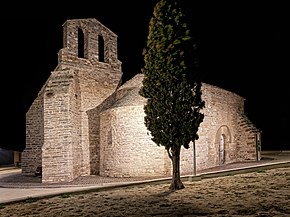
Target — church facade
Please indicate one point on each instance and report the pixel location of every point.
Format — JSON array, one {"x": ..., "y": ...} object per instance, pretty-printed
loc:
[{"x": 84, "y": 121}]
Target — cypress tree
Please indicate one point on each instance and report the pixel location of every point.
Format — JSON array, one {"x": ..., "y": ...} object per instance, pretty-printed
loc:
[{"x": 172, "y": 83}]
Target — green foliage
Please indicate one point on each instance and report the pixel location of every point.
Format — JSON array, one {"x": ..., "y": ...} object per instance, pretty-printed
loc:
[
  {"x": 259, "y": 170},
  {"x": 172, "y": 81},
  {"x": 64, "y": 195},
  {"x": 30, "y": 200}
]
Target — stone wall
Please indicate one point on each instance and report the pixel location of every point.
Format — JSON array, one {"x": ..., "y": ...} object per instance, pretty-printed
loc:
[
  {"x": 32, "y": 154},
  {"x": 125, "y": 151},
  {"x": 126, "y": 148},
  {"x": 60, "y": 138}
]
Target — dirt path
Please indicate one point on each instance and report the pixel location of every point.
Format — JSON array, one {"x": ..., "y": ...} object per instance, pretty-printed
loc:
[{"x": 261, "y": 193}]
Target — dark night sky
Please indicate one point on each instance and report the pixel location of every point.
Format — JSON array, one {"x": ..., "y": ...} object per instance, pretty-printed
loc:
[{"x": 243, "y": 48}]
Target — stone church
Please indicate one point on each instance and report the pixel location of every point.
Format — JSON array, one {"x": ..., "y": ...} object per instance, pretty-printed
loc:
[{"x": 84, "y": 121}]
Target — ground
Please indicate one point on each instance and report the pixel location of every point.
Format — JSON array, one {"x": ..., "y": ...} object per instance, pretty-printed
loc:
[{"x": 260, "y": 193}]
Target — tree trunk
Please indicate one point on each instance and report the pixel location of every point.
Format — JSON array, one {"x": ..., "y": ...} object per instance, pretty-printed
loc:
[{"x": 176, "y": 183}]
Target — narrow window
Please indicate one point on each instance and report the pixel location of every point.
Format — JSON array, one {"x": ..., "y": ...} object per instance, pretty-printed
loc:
[
  {"x": 81, "y": 50},
  {"x": 109, "y": 138},
  {"x": 101, "y": 48},
  {"x": 222, "y": 149}
]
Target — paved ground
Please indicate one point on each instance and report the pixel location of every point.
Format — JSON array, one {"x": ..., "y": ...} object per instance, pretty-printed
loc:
[{"x": 14, "y": 186}]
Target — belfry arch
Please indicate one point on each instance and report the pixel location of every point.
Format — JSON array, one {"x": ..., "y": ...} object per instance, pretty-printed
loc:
[
  {"x": 81, "y": 48},
  {"x": 101, "y": 48}
]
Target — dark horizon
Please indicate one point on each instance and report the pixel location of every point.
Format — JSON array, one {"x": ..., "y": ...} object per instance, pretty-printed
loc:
[{"x": 242, "y": 50}]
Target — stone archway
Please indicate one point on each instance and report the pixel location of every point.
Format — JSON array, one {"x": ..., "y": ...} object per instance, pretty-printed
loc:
[{"x": 222, "y": 141}]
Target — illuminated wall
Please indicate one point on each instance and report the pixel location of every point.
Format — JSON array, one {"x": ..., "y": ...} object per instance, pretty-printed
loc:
[{"x": 83, "y": 122}]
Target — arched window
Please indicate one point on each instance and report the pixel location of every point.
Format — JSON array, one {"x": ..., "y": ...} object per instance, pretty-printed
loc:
[
  {"x": 81, "y": 47},
  {"x": 101, "y": 48}
]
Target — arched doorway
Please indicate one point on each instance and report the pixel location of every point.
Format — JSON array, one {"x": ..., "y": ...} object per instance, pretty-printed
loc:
[
  {"x": 222, "y": 149},
  {"x": 222, "y": 144}
]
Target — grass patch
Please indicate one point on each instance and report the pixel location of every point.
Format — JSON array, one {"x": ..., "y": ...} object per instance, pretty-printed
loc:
[
  {"x": 260, "y": 171},
  {"x": 30, "y": 200},
  {"x": 65, "y": 195}
]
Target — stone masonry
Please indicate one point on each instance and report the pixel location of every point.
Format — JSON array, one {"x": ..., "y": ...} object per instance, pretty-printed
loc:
[{"x": 84, "y": 122}]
